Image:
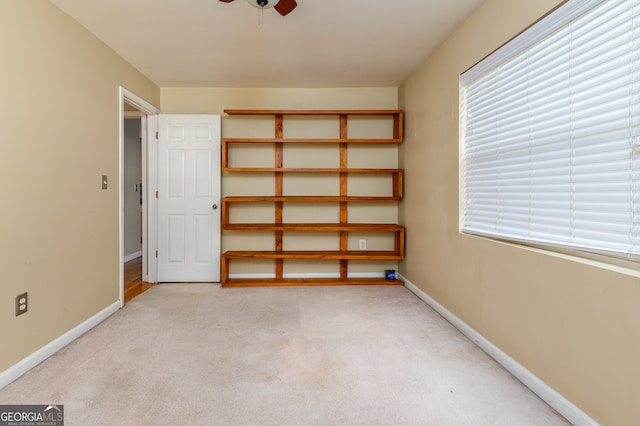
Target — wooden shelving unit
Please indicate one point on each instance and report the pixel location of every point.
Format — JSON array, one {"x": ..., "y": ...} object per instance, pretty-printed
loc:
[{"x": 343, "y": 227}]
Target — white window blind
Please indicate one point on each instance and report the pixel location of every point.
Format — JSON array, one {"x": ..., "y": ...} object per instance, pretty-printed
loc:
[{"x": 550, "y": 128}]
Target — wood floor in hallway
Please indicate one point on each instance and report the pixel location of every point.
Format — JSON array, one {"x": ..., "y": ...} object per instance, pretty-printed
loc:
[{"x": 133, "y": 284}]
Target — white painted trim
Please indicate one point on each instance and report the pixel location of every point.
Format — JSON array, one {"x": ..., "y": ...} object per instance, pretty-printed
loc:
[
  {"x": 559, "y": 403},
  {"x": 146, "y": 108},
  {"x": 133, "y": 256},
  {"x": 143, "y": 193},
  {"x": 17, "y": 370},
  {"x": 151, "y": 214},
  {"x": 138, "y": 102}
]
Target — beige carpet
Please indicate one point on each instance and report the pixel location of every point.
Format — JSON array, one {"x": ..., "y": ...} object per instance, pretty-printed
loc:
[{"x": 197, "y": 354}]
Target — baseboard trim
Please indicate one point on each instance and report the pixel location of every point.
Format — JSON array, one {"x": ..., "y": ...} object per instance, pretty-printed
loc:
[
  {"x": 132, "y": 256},
  {"x": 559, "y": 403},
  {"x": 17, "y": 370}
]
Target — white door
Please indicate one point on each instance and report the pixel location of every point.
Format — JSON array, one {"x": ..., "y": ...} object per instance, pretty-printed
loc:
[{"x": 188, "y": 198}]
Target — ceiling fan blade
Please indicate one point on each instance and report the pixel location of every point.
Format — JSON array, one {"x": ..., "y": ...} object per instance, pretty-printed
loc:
[
  {"x": 226, "y": 1},
  {"x": 284, "y": 7}
]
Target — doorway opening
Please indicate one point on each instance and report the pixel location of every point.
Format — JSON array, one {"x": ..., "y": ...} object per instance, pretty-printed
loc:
[
  {"x": 133, "y": 202},
  {"x": 136, "y": 224}
]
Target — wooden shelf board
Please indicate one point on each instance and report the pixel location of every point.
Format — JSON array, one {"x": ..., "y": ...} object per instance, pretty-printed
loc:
[
  {"x": 313, "y": 112},
  {"x": 313, "y": 227},
  {"x": 290, "y": 282},
  {"x": 307, "y": 141},
  {"x": 307, "y": 170},
  {"x": 320, "y": 254},
  {"x": 306, "y": 198}
]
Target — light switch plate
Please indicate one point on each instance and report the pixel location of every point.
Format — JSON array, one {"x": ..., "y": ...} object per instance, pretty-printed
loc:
[{"x": 105, "y": 182}]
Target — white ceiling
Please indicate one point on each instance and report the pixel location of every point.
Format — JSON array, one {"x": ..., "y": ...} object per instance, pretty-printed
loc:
[{"x": 322, "y": 43}]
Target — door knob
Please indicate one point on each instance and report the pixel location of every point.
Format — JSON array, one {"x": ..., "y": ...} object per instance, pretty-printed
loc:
[{"x": 214, "y": 207}]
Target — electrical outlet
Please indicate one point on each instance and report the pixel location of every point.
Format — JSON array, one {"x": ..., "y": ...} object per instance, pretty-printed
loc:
[
  {"x": 22, "y": 303},
  {"x": 363, "y": 244}
]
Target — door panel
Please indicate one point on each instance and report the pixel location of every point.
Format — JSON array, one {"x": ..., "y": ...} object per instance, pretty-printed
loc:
[
  {"x": 188, "y": 187},
  {"x": 203, "y": 246},
  {"x": 176, "y": 239}
]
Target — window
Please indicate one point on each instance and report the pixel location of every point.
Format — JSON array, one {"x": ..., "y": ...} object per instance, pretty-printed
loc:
[{"x": 550, "y": 133}]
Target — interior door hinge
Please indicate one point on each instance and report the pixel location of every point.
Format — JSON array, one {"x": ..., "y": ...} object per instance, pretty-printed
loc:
[
  {"x": 156, "y": 253},
  {"x": 156, "y": 135},
  {"x": 156, "y": 194}
]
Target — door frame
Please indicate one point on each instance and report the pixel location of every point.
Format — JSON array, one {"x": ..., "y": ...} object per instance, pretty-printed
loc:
[{"x": 149, "y": 180}]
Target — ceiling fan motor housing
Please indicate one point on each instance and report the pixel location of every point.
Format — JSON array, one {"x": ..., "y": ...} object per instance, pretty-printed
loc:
[
  {"x": 283, "y": 7},
  {"x": 263, "y": 4}
]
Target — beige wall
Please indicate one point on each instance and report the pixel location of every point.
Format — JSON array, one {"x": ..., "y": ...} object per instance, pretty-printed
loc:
[
  {"x": 214, "y": 101},
  {"x": 58, "y": 229},
  {"x": 574, "y": 325}
]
